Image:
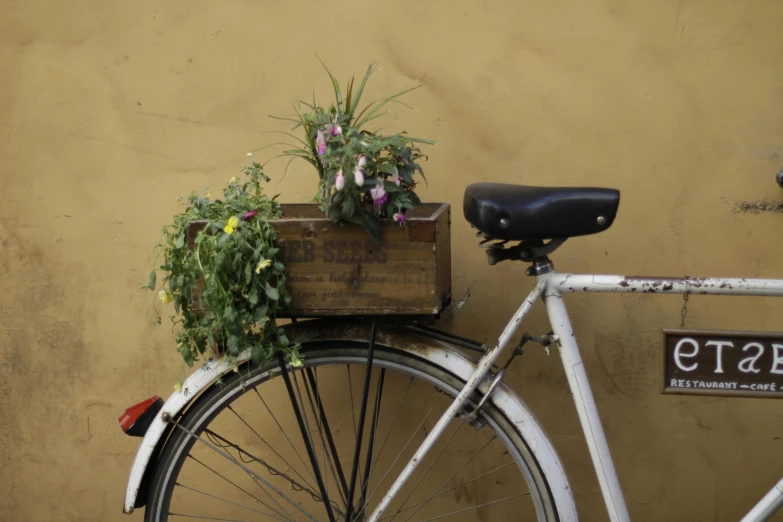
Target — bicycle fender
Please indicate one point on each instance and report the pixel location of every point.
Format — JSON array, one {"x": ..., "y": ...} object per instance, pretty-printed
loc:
[
  {"x": 197, "y": 382},
  {"x": 436, "y": 351}
]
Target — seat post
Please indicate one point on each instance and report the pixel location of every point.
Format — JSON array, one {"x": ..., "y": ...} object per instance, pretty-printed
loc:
[
  {"x": 541, "y": 265},
  {"x": 529, "y": 251}
]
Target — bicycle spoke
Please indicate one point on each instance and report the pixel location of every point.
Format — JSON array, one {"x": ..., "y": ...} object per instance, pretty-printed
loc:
[
  {"x": 452, "y": 489},
  {"x": 413, "y": 489},
  {"x": 383, "y": 445},
  {"x": 350, "y": 391},
  {"x": 371, "y": 443},
  {"x": 245, "y": 491},
  {"x": 308, "y": 441},
  {"x": 261, "y": 486},
  {"x": 440, "y": 396},
  {"x": 362, "y": 412},
  {"x": 454, "y": 475},
  {"x": 323, "y": 428},
  {"x": 323, "y": 443},
  {"x": 302, "y": 409},
  {"x": 225, "y": 443},
  {"x": 475, "y": 507},
  {"x": 284, "y": 433},
  {"x": 226, "y": 501},
  {"x": 249, "y": 471},
  {"x": 270, "y": 447}
]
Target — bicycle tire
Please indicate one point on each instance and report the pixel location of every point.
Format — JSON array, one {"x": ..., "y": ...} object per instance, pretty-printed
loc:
[{"x": 217, "y": 399}]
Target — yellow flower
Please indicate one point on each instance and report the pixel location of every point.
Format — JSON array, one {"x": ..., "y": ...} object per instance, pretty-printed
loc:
[
  {"x": 165, "y": 296},
  {"x": 178, "y": 386},
  {"x": 234, "y": 179},
  {"x": 233, "y": 223},
  {"x": 263, "y": 265}
]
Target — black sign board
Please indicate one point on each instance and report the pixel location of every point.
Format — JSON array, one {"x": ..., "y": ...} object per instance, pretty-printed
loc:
[{"x": 715, "y": 362}]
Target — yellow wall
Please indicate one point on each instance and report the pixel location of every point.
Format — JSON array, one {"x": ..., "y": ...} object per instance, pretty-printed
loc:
[{"x": 110, "y": 110}]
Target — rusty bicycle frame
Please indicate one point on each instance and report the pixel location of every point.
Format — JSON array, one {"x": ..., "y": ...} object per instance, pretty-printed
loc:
[{"x": 551, "y": 286}]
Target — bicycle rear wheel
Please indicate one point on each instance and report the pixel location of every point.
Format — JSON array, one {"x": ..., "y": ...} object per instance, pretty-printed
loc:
[{"x": 240, "y": 454}]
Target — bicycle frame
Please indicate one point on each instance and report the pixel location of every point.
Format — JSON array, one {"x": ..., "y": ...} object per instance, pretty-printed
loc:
[{"x": 551, "y": 286}]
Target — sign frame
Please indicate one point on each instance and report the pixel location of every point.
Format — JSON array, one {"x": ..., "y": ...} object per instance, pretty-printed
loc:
[{"x": 741, "y": 387}]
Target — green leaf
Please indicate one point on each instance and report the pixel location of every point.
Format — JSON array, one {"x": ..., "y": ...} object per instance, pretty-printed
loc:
[
  {"x": 388, "y": 168},
  {"x": 421, "y": 140},
  {"x": 257, "y": 354},
  {"x": 335, "y": 213},
  {"x": 370, "y": 115},
  {"x": 229, "y": 314},
  {"x": 372, "y": 225},
  {"x": 201, "y": 345},
  {"x": 248, "y": 274},
  {"x": 153, "y": 281},
  {"x": 282, "y": 339},
  {"x": 180, "y": 241},
  {"x": 348, "y": 207},
  {"x": 406, "y": 173},
  {"x": 253, "y": 296},
  {"x": 337, "y": 94},
  {"x": 359, "y": 92},
  {"x": 388, "y": 186},
  {"x": 233, "y": 345},
  {"x": 279, "y": 266},
  {"x": 186, "y": 353},
  {"x": 271, "y": 293},
  {"x": 261, "y": 312}
]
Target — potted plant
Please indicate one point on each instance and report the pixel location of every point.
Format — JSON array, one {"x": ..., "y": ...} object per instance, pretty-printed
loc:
[{"x": 227, "y": 283}]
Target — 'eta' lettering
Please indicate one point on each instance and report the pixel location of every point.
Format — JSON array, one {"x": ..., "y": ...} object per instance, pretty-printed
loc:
[
  {"x": 678, "y": 354},
  {"x": 719, "y": 353},
  {"x": 747, "y": 364},
  {"x": 778, "y": 360}
]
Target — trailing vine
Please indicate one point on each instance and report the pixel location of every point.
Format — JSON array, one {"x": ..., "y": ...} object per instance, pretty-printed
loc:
[{"x": 228, "y": 286}]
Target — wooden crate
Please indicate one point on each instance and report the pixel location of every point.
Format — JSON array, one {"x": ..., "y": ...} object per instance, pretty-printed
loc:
[{"x": 337, "y": 270}]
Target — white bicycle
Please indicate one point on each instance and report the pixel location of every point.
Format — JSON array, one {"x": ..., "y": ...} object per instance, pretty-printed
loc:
[{"x": 393, "y": 421}]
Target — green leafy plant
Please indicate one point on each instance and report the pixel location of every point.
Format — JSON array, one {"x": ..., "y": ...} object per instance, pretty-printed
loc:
[
  {"x": 363, "y": 175},
  {"x": 228, "y": 286}
]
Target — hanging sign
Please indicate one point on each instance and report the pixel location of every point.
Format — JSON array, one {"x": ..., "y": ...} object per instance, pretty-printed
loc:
[{"x": 717, "y": 362}]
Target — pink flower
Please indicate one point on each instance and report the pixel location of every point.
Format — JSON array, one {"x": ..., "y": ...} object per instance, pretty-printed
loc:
[
  {"x": 250, "y": 214},
  {"x": 379, "y": 197},
  {"x": 395, "y": 177},
  {"x": 378, "y": 193},
  {"x": 320, "y": 142},
  {"x": 358, "y": 176},
  {"x": 399, "y": 217},
  {"x": 362, "y": 161},
  {"x": 333, "y": 129},
  {"x": 339, "y": 182}
]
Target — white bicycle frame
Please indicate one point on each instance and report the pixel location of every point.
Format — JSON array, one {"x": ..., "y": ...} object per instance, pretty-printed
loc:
[{"x": 551, "y": 286}]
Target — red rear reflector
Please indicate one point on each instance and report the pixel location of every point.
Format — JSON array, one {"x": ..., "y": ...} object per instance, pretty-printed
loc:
[{"x": 132, "y": 415}]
